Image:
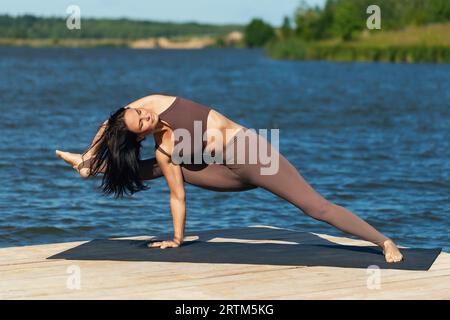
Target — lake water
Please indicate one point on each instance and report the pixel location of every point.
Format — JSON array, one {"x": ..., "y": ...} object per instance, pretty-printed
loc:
[{"x": 374, "y": 138}]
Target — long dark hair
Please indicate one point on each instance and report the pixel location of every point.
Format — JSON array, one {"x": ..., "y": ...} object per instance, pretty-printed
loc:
[{"x": 117, "y": 156}]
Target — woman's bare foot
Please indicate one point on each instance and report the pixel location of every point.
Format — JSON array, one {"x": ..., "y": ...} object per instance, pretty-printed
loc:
[
  {"x": 74, "y": 159},
  {"x": 391, "y": 252}
]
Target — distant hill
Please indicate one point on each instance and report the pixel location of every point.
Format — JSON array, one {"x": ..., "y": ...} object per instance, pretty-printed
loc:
[{"x": 32, "y": 27}]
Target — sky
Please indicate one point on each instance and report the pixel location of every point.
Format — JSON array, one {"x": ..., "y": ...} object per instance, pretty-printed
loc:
[{"x": 203, "y": 11}]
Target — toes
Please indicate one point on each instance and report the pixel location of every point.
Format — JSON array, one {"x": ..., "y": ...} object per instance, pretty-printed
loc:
[
  {"x": 389, "y": 258},
  {"x": 153, "y": 244},
  {"x": 392, "y": 258}
]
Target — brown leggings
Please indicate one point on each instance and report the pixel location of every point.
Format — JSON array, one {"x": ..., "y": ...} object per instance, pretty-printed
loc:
[{"x": 286, "y": 183}]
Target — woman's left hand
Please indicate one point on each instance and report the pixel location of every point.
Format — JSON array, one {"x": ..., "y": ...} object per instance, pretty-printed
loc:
[{"x": 164, "y": 244}]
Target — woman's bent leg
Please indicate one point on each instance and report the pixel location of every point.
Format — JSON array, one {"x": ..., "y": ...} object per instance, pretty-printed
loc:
[
  {"x": 148, "y": 168},
  {"x": 214, "y": 177}
]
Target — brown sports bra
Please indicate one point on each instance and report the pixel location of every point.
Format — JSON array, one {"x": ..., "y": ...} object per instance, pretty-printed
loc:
[{"x": 181, "y": 114}]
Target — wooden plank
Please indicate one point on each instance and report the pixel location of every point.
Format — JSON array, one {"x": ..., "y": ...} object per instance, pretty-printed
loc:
[
  {"x": 264, "y": 285},
  {"x": 26, "y": 274},
  {"x": 311, "y": 278}
]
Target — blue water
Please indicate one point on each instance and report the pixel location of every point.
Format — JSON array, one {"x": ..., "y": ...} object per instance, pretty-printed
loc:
[{"x": 374, "y": 138}]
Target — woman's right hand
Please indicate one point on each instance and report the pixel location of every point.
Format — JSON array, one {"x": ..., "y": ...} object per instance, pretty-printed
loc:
[{"x": 164, "y": 244}]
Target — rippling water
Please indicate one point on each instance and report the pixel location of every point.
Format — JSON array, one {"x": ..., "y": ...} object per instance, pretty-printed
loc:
[{"x": 371, "y": 137}]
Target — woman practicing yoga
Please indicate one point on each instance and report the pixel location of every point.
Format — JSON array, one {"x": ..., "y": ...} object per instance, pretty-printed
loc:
[{"x": 115, "y": 152}]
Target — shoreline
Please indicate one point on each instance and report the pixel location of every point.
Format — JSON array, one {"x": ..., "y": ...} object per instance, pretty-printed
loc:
[
  {"x": 413, "y": 44},
  {"x": 149, "y": 43},
  {"x": 232, "y": 39}
]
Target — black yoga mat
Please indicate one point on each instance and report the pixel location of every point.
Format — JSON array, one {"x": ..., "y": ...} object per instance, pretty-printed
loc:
[{"x": 308, "y": 250}]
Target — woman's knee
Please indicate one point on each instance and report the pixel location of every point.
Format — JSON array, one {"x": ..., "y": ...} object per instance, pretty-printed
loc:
[{"x": 319, "y": 210}]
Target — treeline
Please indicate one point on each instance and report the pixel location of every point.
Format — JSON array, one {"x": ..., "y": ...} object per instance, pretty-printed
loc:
[
  {"x": 344, "y": 18},
  {"x": 338, "y": 31},
  {"x": 32, "y": 27}
]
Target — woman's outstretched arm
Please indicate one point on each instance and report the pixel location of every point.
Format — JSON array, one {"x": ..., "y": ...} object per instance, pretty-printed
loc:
[
  {"x": 174, "y": 178},
  {"x": 83, "y": 161},
  {"x": 149, "y": 169},
  {"x": 91, "y": 151}
]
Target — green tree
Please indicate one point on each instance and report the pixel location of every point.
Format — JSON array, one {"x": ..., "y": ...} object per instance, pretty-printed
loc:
[
  {"x": 439, "y": 11},
  {"x": 313, "y": 23},
  {"x": 257, "y": 33},
  {"x": 347, "y": 19},
  {"x": 286, "y": 29}
]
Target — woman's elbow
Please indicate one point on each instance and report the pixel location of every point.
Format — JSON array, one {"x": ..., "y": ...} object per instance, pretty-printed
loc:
[{"x": 178, "y": 195}]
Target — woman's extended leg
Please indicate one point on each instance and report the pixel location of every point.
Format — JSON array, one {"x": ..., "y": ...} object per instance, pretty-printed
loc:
[{"x": 288, "y": 184}]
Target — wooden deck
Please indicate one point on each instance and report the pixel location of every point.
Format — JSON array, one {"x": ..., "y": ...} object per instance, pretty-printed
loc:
[{"x": 108, "y": 270}]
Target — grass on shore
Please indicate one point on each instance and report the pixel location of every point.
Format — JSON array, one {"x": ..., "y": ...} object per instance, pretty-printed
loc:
[{"x": 414, "y": 44}]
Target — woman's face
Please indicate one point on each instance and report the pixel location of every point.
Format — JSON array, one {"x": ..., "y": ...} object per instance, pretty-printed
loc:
[{"x": 140, "y": 121}]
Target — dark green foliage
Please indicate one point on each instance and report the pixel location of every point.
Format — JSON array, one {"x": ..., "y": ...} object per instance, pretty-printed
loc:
[
  {"x": 286, "y": 28},
  {"x": 31, "y": 27},
  {"x": 291, "y": 48},
  {"x": 342, "y": 18},
  {"x": 257, "y": 33}
]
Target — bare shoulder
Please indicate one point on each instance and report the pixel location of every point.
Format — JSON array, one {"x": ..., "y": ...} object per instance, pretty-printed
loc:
[
  {"x": 150, "y": 100},
  {"x": 160, "y": 96}
]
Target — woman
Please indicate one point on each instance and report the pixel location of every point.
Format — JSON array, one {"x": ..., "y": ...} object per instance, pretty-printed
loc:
[{"x": 115, "y": 152}]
